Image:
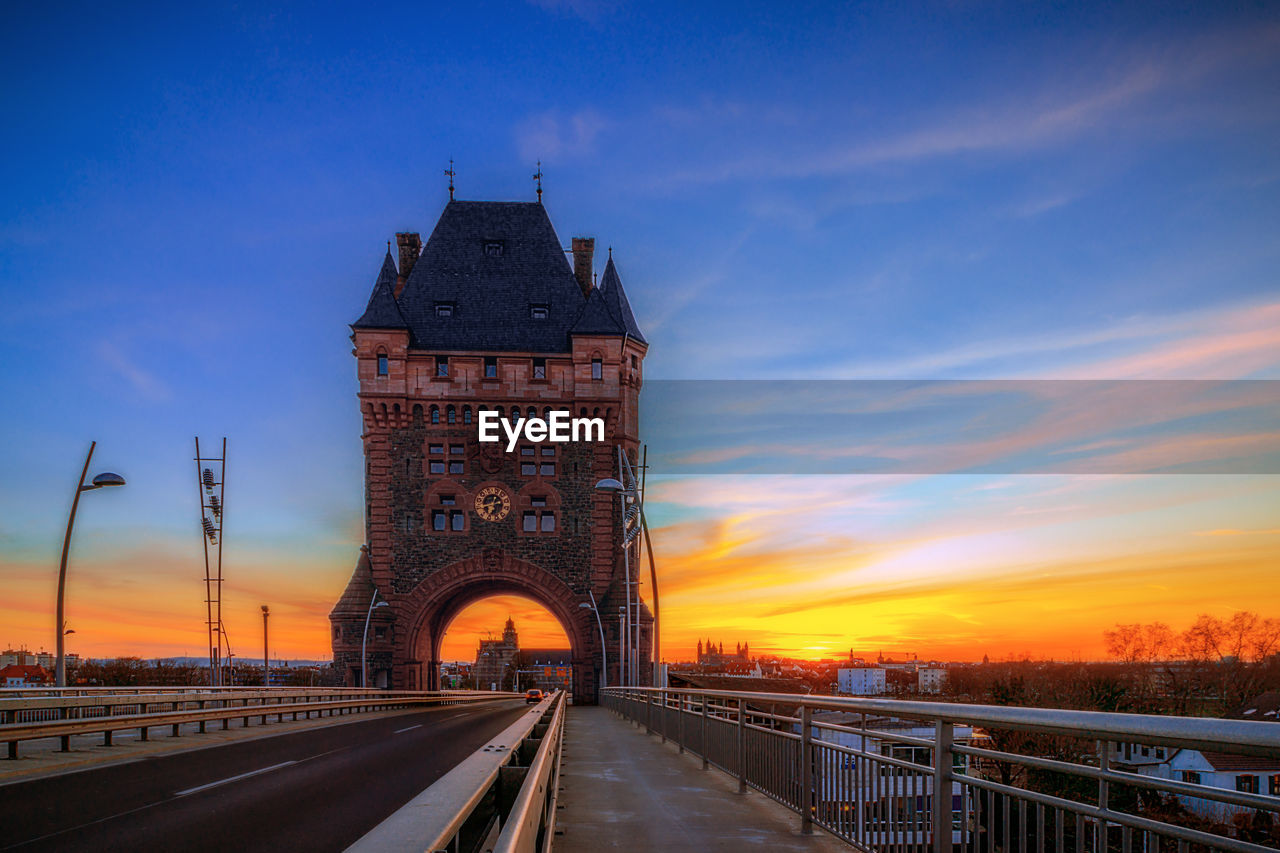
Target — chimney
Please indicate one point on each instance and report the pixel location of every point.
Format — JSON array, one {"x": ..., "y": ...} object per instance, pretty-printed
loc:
[
  {"x": 410, "y": 247},
  {"x": 583, "y": 249}
]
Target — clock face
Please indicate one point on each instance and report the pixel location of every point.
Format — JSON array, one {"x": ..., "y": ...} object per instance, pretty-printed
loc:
[{"x": 493, "y": 504}]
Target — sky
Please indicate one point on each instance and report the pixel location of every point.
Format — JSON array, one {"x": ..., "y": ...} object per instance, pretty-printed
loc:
[{"x": 196, "y": 203}]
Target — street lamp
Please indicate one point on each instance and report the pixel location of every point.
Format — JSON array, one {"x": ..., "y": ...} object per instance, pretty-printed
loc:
[
  {"x": 365, "y": 639},
  {"x": 630, "y": 493},
  {"x": 100, "y": 481},
  {"x": 266, "y": 660},
  {"x": 604, "y": 651}
]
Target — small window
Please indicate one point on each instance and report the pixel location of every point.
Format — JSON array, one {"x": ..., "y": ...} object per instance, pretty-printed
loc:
[
  {"x": 548, "y": 451},
  {"x": 457, "y": 520},
  {"x": 635, "y": 362},
  {"x": 597, "y": 369},
  {"x": 539, "y": 312},
  {"x": 493, "y": 248},
  {"x": 490, "y": 367},
  {"x": 457, "y": 449},
  {"x": 437, "y": 466},
  {"x": 539, "y": 368},
  {"x": 442, "y": 366},
  {"x": 383, "y": 367},
  {"x": 548, "y": 520},
  {"x": 527, "y": 451},
  {"x": 444, "y": 309},
  {"x": 448, "y": 500},
  {"x": 528, "y": 469},
  {"x": 1247, "y": 783},
  {"x": 408, "y": 523},
  {"x": 435, "y": 448},
  {"x": 530, "y": 522},
  {"x": 1191, "y": 777},
  {"x": 438, "y": 519},
  {"x": 337, "y": 632},
  {"x": 1274, "y": 785},
  {"x": 456, "y": 467},
  {"x": 547, "y": 469},
  {"x": 466, "y": 414},
  {"x": 538, "y": 501},
  {"x": 435, "y": 414}
]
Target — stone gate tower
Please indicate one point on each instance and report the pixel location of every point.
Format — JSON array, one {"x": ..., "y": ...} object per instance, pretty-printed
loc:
[{"x": 489, "y": 315}]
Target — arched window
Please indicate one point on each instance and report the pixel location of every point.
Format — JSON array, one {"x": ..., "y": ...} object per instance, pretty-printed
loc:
[
  {"x": 384, "y": 364},
  {"x": 453, "y": 415},
  {"x": 466, "y": 414},
  {"x": 435, "y": 414}
]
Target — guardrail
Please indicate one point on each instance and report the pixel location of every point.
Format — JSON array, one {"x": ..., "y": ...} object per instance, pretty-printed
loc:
[
  {"x": 27, "y": 718},
  {"x": 1016, "y": 780},
  {"x": 501, "y": 798}
]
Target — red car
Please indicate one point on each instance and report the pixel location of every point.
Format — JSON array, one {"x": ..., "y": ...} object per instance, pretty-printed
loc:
[{"x": 534, "y": 695}]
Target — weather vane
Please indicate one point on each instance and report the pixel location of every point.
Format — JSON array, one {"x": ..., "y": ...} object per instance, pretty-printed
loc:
[
  {"x": 538, "y": 177},
  {"x": 449, "y": 171}
]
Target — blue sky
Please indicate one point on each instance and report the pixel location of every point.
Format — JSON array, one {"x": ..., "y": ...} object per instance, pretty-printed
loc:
[{"x": 196, "y": 203}]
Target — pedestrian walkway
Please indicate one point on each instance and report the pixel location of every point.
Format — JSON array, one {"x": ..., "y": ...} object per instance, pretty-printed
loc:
[{"x": 626, "y": 790}]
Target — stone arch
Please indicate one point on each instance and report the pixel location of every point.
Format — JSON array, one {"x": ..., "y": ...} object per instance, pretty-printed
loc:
[{"x": 428, "y": 610}]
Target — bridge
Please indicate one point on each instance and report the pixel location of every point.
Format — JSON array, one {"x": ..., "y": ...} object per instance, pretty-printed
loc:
[{"x": 372, "y": 770}]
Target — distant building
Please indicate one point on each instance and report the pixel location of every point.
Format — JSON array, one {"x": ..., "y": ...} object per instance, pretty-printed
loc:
[
  {"x": 546, "y": 669},
  {"x": 1245, "y": 773},
  {"x": 861, "y": 681},
  {"x": 931, "y": 679},
  {"x": 494, "y": 657},
  {"x": 25, "y": 675}
]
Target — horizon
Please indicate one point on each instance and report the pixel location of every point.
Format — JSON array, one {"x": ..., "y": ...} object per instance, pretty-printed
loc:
[{"x": 197, "y": 205}]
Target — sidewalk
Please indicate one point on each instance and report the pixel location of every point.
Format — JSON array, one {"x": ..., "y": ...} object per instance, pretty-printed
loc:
[{"x": 625, "y": 790}]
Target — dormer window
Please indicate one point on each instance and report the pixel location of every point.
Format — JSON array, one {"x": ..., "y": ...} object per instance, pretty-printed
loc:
[
  {"x": 539, "y": 312},
  {"x": 539, "y": 368},
  {"x": 383, "y": 366},
  {"x": 442, "y": 366},
  {"x": 597, "y": 368},
  {"x": 493, "y": 248},
  {"x": 490, "y": 367},
  {"x": 444, "y": 309}
]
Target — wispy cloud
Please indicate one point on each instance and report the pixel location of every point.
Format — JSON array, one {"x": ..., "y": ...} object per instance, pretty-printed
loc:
[
  {"x": 554, "y": 135},
  {"x": 144, "y": 382}
]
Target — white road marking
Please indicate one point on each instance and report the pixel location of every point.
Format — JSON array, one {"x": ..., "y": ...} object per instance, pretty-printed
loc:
[
  {"x": 258, "y": 772},
  {"x": 409, "y": 729}
]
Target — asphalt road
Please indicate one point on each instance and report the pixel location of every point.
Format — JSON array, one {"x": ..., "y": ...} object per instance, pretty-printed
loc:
[{"x": 316, "y": 790}]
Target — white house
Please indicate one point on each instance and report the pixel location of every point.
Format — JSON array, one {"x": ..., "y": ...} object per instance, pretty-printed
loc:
[{"x": 861, "y": 681}]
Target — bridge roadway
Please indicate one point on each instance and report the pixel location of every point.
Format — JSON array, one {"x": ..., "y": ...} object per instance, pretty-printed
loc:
[{"x": 318, "y": 790}]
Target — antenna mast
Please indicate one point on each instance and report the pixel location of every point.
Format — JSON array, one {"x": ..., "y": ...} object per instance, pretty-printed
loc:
[{"x": 212, "y": 512}]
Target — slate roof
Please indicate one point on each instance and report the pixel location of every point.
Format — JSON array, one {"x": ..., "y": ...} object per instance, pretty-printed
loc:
[
  {"x": 382, "y": 312},
  {"x": 359, "y": 592},
  {"x": 492, "y": 262},
  {"x": 607, "y": 311}
]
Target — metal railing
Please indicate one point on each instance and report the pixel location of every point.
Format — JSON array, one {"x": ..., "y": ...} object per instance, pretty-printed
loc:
[
  {"x": 63, "y": 714},
  {"x": 501, "y": 798},
  {"x": 1015, "y": 780}
]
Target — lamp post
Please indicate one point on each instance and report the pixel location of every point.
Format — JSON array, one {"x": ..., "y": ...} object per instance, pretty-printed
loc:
[
  {"x": 604, "y": 651},
  {"x": 266, "y": 660},
  {"x": 100, "y": 481},
  {"x": 630, "y": 493},
  {"x": 373, "y": 602}
]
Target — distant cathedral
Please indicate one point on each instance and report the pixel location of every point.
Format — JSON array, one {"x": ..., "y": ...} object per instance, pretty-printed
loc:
[{"x": 713, "y": 655}]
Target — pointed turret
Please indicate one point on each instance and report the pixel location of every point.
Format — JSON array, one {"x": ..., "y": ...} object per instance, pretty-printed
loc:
[
  {"x": 359, "y": 592},
  {"x": 607, "y": 311},
  {"x": 383, "y": 312}
]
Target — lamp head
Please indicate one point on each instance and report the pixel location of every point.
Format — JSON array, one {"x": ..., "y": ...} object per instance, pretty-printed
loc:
[
  {"x": 266, "y": 609},
  {"x": 381, "y": 604},
  {"x": 609, "y": 484}
]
